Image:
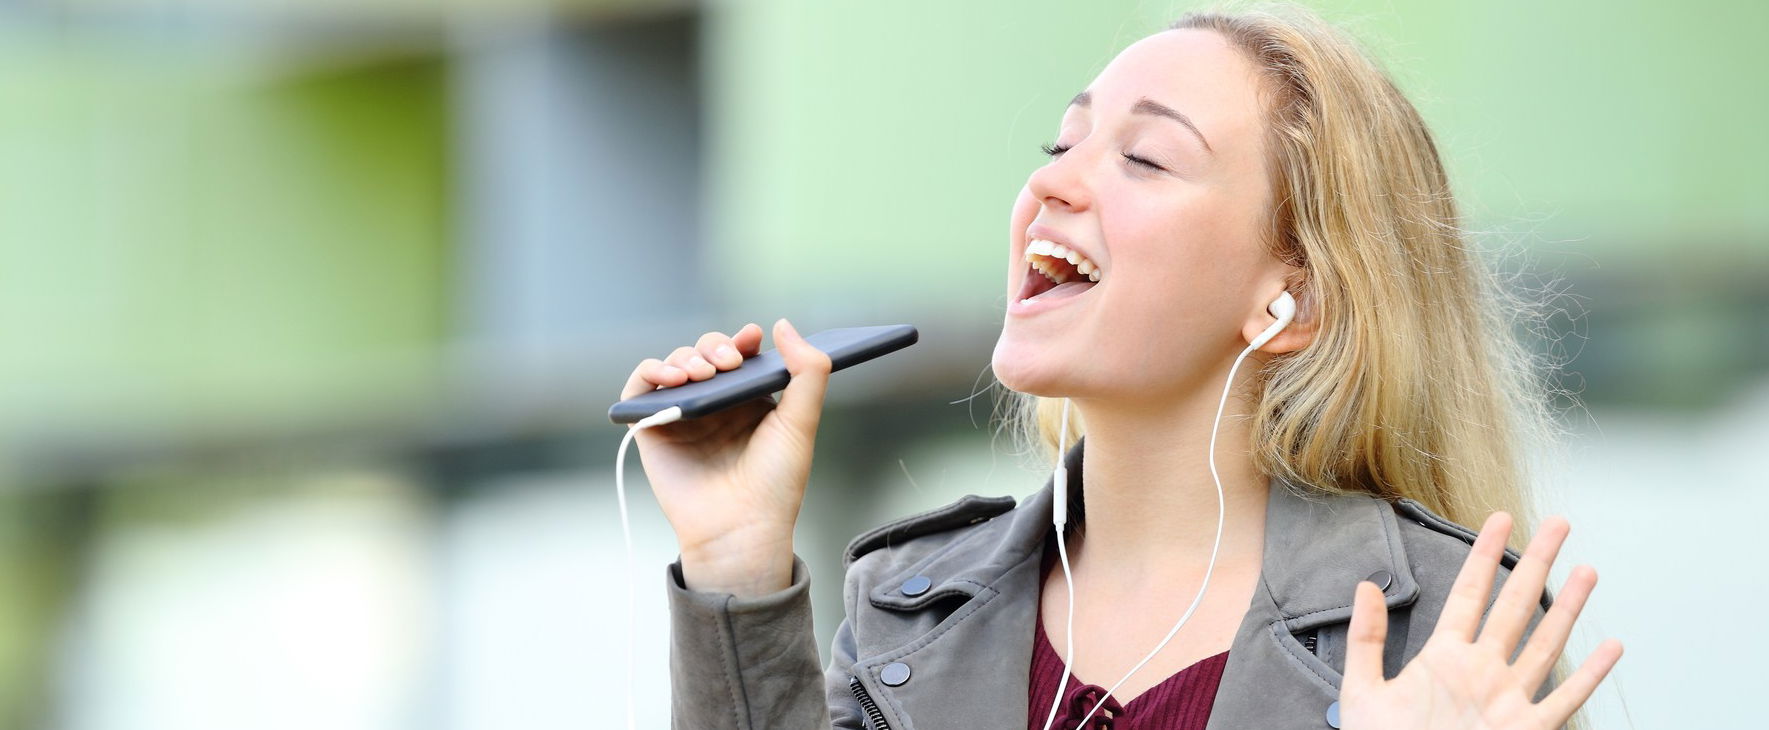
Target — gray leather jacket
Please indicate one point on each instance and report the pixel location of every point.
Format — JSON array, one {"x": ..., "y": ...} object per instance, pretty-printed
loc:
[{"x": 941, "y": 609}]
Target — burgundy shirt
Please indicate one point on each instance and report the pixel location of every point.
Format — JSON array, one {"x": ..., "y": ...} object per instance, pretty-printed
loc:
[{"x": 1180, "y": 702}]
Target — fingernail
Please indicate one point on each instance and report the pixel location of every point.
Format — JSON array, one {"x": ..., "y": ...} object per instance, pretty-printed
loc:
[
  {"x": 673, "y": 370},
  {"x": 698, "y": 361},
  {"x": 789, "y": 328},
  {"x": 725, "y": 352}
]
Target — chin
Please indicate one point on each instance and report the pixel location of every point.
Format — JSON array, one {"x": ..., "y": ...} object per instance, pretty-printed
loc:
[{"x": 1028, "y": 367}]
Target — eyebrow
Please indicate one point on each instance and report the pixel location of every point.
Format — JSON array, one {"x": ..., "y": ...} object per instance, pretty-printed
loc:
[{"x": 1148, "y": 106}]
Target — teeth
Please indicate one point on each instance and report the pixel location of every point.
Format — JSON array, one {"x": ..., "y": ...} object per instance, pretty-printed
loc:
[
  {"x": 1040, "y": 251},
  {"x": 1051, "y": 272}
]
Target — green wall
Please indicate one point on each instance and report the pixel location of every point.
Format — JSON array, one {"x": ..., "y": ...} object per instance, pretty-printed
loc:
[
  {"x": 1603, "y": 129},
  {"x": 181, "y": 237}
]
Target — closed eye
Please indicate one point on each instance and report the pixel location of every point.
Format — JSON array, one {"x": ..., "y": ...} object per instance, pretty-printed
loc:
[
  {"x": 1143, "y": 162},
  {"x": 1056, "y": 150}
]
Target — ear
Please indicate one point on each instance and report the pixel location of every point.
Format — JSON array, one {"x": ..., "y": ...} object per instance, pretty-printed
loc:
[{"x": 1295, "y": 336}]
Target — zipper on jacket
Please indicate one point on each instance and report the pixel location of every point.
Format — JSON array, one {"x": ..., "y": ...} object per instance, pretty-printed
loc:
[
  {"x": 1309, "y": 642},
  {"x": 873, "y": 716}
]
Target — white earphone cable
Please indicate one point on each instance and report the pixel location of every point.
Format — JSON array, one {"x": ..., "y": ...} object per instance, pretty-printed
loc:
[
  {"x": 1060, "y": 494},
  {"x": 667, "y": 415},
  {"x": 1220, "y": 514}
]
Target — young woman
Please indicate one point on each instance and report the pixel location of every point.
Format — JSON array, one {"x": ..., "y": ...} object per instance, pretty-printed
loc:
[{"x": 1311, "y": 537}]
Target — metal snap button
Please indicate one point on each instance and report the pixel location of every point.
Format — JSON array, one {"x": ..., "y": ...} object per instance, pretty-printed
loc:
[
  {"x": 1333, "y": 714},
  {"x": 895, "y": 674},
  {"x": 916, "y": 586},
  {"x": 1381, "y": 578}
]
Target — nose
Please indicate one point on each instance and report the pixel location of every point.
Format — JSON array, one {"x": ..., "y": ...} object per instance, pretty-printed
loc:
[{"x": 1060, "y": 184}]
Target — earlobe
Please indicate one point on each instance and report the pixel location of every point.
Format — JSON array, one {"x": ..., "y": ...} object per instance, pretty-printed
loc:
[{"x": 1295, "y": 337}]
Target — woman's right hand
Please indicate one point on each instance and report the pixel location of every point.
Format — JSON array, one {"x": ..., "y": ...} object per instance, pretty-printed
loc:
[{"x": 731, "y": 483}]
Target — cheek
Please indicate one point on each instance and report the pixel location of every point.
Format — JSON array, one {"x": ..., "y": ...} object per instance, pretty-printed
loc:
[
  {"x": 1189, "y": 238},
  {"x": 1174, "y": 271},
  {"x": 1150, "y": 300}
]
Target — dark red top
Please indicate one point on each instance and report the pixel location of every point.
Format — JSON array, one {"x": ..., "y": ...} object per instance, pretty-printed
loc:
[{"x": 1180, "y": 702}]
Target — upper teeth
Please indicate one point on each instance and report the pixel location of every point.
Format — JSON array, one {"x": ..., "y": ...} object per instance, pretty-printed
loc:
[{"x": 1038, "y": 247}]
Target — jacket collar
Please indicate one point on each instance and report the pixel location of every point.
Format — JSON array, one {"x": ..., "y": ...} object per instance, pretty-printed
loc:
[{"x": 1317, "y": 547}]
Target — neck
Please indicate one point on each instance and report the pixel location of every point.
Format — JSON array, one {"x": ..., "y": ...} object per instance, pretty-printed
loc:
[{"x": 1149, "y": 498}]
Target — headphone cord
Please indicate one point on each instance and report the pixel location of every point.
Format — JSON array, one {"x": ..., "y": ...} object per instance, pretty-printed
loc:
[
  {"x": 1060, "y": 510},
  {"x": 667, "y": 415},
  {"x": 1062, "y": 550}
]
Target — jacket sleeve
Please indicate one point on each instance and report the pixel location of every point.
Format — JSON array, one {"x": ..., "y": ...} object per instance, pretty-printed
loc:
[{"x": 751, "y": 663}]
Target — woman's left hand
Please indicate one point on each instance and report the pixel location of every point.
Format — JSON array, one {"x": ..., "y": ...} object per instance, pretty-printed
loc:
[{"x": 1460, "y": 681}]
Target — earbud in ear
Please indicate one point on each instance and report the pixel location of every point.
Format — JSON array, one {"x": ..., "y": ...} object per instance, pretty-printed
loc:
[{"x": 1284, "y": 308}]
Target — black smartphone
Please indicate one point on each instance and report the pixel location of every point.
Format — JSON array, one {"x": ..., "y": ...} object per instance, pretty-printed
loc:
[{"x": 764, "y": 374}]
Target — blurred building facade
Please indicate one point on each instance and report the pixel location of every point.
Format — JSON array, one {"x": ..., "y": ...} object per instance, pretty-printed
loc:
[{"x": 312, "y": 313}]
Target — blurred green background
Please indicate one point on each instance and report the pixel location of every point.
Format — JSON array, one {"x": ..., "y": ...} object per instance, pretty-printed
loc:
[{"x": 311, "y": 313}]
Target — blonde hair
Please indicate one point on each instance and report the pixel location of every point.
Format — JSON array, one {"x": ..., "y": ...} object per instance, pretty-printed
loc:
[{"x": 1414, "y": 385}]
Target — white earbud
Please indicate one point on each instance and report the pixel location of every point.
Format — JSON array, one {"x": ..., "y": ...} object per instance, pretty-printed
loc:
[{"x": 1284, "y": 308}]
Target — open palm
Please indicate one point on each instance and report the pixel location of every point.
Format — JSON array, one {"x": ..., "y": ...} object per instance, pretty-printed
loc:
[{"x": 1460, "y": 681}]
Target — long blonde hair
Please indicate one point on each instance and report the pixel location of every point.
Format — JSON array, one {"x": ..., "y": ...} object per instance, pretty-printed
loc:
[{"x": 1415, "y": 384}]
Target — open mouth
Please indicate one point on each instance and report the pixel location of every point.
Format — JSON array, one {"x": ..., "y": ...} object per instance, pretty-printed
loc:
[{"x": 1053, "y": 272}]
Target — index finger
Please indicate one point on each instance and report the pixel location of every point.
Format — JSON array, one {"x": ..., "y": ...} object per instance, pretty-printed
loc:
[
  {"x": 650, "y": 374},
  {"x": 1523, "y": 588},
  {"x": 1467, "y": 599},
  {"x": 748, "y": 340}
]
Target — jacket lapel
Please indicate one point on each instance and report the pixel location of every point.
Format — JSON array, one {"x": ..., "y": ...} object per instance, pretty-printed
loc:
[
  {"x": 973, "y": 668},
  {"x": 975, "y": 662},
  {"x": 1317, "y": 548}
]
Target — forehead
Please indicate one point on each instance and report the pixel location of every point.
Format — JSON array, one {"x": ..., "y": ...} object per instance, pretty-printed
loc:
[{"x": 1194, "y": 71}]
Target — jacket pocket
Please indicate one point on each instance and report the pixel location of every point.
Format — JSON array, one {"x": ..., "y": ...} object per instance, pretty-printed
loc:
[{"x": 1306, "y": 648}]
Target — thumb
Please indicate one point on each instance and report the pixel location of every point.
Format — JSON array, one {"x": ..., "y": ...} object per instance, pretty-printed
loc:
[
  {"x": 802, "y": 402},
  {"x": 1366, "y": 637}
]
